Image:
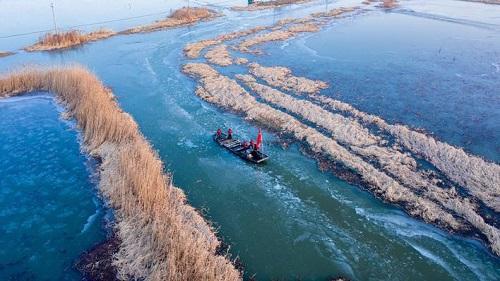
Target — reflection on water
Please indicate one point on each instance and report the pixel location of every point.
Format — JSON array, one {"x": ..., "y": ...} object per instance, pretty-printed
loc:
[{"x": 287, "y": 219}]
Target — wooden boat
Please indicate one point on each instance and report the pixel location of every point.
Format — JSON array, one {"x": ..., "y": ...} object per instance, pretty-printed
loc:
[{"x": 236, "y": 147}]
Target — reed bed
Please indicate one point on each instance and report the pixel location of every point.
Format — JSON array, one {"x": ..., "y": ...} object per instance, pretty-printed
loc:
[
  {"x": 359, "y": 141},
  {"x": 69, "y": 39},
  {"x": 282, "y": 78},
  {"x": 219, "y": 55},
  {"x": 480, "y": 177},
  {"x": 162, "y": 237},
  {"x": 193, "y": 50},
  {"x": 279, "y": 33},
  {"x": 227, "y": 93},
  {"x": 180, "y": 17}
]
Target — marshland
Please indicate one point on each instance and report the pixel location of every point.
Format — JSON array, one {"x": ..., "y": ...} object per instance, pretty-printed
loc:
[{"x": 384, "y": 143}]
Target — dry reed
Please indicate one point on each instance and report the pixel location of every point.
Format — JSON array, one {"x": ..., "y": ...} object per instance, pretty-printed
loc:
[
  {"x": 219, "y": 55},
  {"x": 64, "y": 40},
  {"x": 180, "y": 17},
  {"x": 480, "y": 177},
  {"x": 162, "y": 237},
  {"x": 282, "y": 77}
]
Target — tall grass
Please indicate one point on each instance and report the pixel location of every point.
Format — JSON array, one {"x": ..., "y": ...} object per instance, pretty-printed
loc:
[
  {"x": 64, "y": 40},
  {"x": 163, "y": 238},
  {"x": 180, "y": 17}
]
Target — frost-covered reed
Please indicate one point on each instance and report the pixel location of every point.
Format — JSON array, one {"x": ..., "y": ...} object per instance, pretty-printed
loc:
[
  {"x": 219, "y": 55},
  {"x": 162, "y": 237},
  {"x": 282, "y": 78}
]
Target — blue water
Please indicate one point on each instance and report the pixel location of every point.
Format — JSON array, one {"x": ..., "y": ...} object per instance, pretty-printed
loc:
[
  {"x": 49, "y": 212},
  {"x": 288, "y": 220}
]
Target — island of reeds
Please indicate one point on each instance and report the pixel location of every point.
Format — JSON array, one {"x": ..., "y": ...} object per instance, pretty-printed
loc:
[{"x": 161, "y": 236}]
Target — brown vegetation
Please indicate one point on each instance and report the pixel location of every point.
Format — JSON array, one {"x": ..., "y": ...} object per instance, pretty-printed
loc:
[
  {"x": 219, "y": 55},
  {"x": 162, "y": 237},
  {"x": 64, "y": 40},
  {"x": 282, "y": 77},
  {"x": 180, "y": 17}
]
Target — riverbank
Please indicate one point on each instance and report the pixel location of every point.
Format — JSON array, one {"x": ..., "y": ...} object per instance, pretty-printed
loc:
[{"x": 162, "y": 237}]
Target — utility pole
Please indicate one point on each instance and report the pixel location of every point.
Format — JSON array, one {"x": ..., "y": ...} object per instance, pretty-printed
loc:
[{"x": 53, "y": 16}]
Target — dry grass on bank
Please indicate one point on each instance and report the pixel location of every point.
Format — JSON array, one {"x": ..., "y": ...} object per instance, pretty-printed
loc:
[
  {"x": 180, "y": 17},
  {"x": 69, "y": 39},
  {"x": 163, "y": 238}
]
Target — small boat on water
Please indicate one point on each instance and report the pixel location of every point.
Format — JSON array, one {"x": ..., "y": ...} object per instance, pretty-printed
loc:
[{"x": 249, "y": 152}]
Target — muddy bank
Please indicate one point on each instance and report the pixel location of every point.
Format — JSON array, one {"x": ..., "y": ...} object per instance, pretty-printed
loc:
[{"x": 97, "y": 263}]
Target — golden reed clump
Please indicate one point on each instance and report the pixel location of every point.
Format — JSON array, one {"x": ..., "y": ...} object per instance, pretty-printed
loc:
[
  {"x": 180, "y": 17},
  {"x": 162, "y": 237},
  {"x": 64, "y": 40}
]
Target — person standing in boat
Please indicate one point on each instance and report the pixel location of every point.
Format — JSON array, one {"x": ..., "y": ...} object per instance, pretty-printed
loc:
[
  {"x": 229, "y": 134},
  {"x": 219, "y": 133}
]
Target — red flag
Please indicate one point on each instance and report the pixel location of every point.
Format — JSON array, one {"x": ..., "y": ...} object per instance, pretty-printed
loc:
[{"x": 259, "y": 139}]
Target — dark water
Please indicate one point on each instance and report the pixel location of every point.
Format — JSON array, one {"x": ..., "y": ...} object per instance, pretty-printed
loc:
[{"x": 288, "y": 220}]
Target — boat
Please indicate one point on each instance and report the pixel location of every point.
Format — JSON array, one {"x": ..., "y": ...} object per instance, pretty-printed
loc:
[{"x": 236, "y": 147}]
